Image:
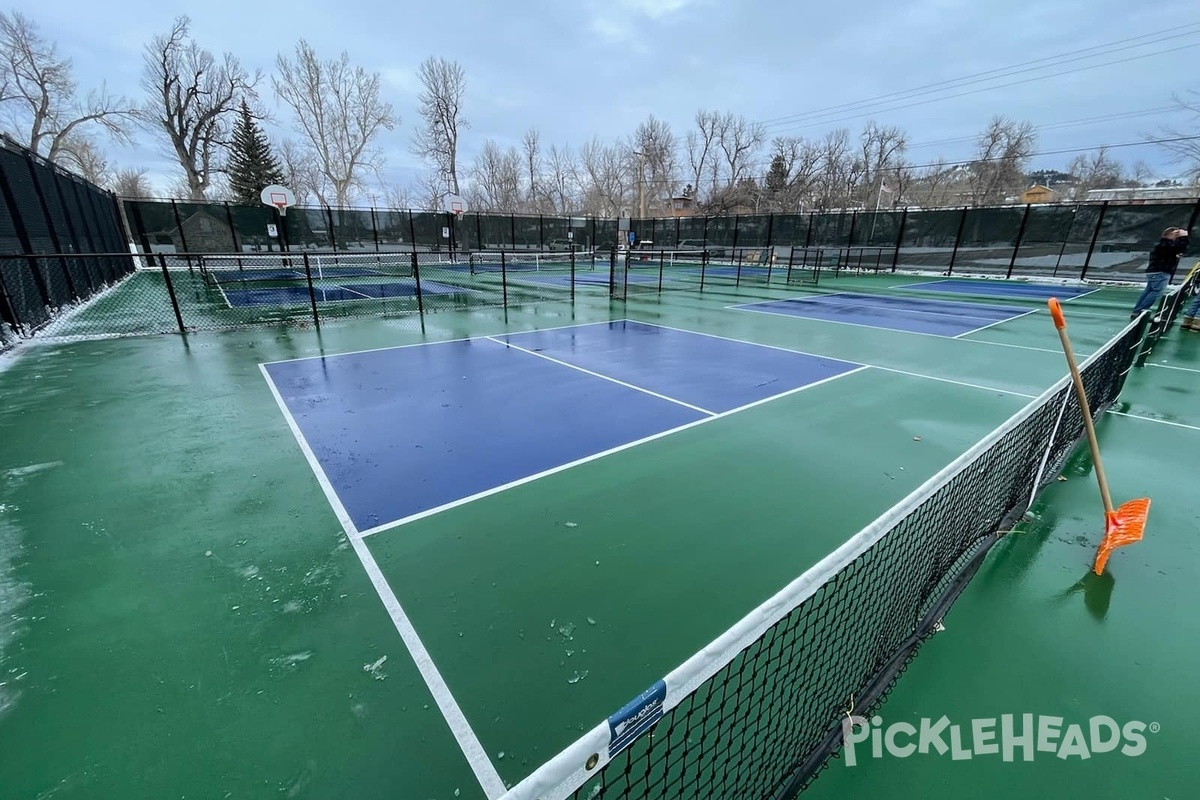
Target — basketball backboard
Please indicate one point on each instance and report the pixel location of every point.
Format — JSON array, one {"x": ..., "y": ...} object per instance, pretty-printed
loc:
[
  {"x": 456, "y": 205},
  {"x": 279, "y": 197}
]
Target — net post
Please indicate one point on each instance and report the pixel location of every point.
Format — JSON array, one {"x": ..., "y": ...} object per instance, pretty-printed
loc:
[
  {"x": 1096, "y": 235},
  {"x": 312, "y": 294},
  {"x": 171, "y": 294},
  {"x": 572, "y": 273},
  {"x": 703, "y": 263},
  {"x": 738, "y": 280},
  {"x": 417, "y": 278},
  {"x": 661, "y": 255},
  {"x": 504, "y": 276}
]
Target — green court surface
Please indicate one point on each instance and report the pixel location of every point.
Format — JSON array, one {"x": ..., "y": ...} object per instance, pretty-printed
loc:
[{"x": 181, "y": 614}]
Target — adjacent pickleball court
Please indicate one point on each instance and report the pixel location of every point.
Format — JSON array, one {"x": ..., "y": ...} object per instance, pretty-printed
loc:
[
  {"x": 1011, "y": 289},
  {"x": 910, "y": 314}
]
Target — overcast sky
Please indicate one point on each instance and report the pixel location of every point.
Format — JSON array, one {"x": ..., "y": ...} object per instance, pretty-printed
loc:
[{"x": 575, "y": 69}]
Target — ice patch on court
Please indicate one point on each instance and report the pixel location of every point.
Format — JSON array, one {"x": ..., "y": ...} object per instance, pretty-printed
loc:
[
  {"x": 375, "y": 670},
  {"x": 291, "y": 661},
  {"x": 13, "y": 595},
  {"x": 20, "y": 473}
]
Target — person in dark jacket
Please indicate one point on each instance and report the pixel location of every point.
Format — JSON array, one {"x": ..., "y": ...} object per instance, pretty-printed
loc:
[{"x": 1164, "y": 259}]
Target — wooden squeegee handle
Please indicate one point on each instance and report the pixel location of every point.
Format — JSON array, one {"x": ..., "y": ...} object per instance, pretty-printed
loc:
[{"x": 1061, "y": 324}]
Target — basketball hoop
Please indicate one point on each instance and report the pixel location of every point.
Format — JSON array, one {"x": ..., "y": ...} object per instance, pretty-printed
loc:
[
  {"x": 280, "y": 197},
  {"x": 456, "y": 206}
]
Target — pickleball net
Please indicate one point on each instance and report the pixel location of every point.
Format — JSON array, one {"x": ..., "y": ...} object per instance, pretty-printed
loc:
[{"x": 758, "y": 712}]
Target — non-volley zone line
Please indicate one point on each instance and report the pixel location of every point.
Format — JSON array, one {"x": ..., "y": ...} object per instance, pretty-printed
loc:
[
  {"x": 909, "y": 314},
  {"x": 406, "y": 432}
]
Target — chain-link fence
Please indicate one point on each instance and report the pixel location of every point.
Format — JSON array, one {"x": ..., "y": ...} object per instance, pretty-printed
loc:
[
  {"x": 45, "y": 210},
  {"x": 209, "y": 266}
]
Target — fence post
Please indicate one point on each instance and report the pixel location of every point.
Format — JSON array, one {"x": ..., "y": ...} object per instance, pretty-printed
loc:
[
  {"x": 171, "y": 293},
  {"x": 412, "y": 230},
  {"x": 661, "y": 257},
  {"x": 375, "y": 229},
  {"x": 312, "y": 294},
  {"x": 332, "y": 233},
  {"x": 1012, "y": 262},
  {"x": 1195, "y": 213},
  {"x": 49, "y": 223},
  {"x": 572, "y": 273},
  {"x": 182, "y": 239},
  {"x": 512, "y": 232},
  {"x": 962, "y": 221},
  {"x": 703, "y": 262},
  {"x": 791, "y": 260},
  {"x": 417, "y": 277},
  {"x": 504, "y": 277},
  {"x": 1066, "y": 239},
  {"x": 232, "y": 228},
  {"x": 8, "y": 303},
  {"x": 899, "y": 239},
  {"x": 18, "y": 222},
  {"x": 1087, "y": 260}
]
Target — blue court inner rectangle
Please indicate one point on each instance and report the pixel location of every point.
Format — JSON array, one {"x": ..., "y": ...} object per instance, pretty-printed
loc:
[
  {"x": 407, "y": 430},
  {"x": 911, "y": 314}
]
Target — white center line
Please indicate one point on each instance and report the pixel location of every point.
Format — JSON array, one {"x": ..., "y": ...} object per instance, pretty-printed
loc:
[{"x": 604, "y": 377}]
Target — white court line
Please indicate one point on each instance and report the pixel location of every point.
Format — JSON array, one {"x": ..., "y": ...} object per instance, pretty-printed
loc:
[
  {"x": 994, "y": 324},
  {"x": 553, "y": 360},
  {"x": 468, "y": 742},
  {"x": 1152, "y": 419},
  {"x": 1168, "y": 366},
  {"x": 595, "y": 456},
  {"x": 444, "y": 341}
]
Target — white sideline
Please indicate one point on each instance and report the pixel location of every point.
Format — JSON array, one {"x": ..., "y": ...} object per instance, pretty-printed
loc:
[{"x": 468, "y": 742}]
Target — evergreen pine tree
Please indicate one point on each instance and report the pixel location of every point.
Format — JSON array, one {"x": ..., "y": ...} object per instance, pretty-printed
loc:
[{"x": 252, "y": 166}]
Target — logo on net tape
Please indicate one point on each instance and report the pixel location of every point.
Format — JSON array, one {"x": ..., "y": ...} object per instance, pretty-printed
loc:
[{"x": 636, "y": 718}]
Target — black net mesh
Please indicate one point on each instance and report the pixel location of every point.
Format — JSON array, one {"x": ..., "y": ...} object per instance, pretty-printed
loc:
[{"x": 766, "y": 714}]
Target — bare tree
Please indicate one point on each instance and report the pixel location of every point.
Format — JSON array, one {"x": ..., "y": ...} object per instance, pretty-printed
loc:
[
  {"x": 41, "y": 106},
  {"x": 797, "y": 162},
  {"x": 702, "y": 150},
  {"x": 398, "y": 197},
  {"x": 1185, "y": 151},
  {"x": 881, "y": 154},
  {"x": 338, "y": 109},
  {"x": 496, "y": 179},
  {"x": 740, "y": 142},
  {"x": 192, "y": 101},
  {"x": 936, "y": 185},
  {"x": 605, "y": 178},
  {"x": 441, "y": 100},
  {"x": 1096, "y": 171},
  {"x": 301, "y": 171},
  {"x": 132, "y": 183},
  {"x": 531, "y": 145},
  {"x": 1002, "y": 151},
  {"x": 85, "y": 157},
  {"x": 562, "y": 180},
  {"x": 653, "y": 150}
]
